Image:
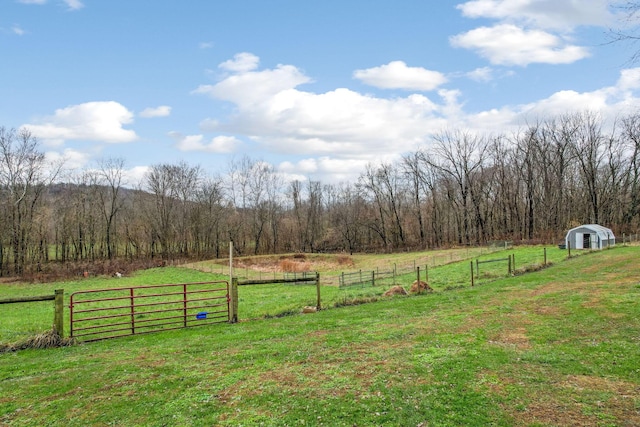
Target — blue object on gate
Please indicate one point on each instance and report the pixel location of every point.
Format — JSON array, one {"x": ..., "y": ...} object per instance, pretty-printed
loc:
[{"x": 202, "y": 315}]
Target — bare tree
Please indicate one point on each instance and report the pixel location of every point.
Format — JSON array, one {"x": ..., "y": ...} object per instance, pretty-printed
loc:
[
  {"x": 370, "y": 187},
  {"x": 24, "y": 174},
  {"x": 414, "y": 173},
  {"x": 160, "y": 181},
  {"x": 627, "y": 30},
  {"x": 111, "y": 179},
  {"x": 459, "y": 157},
  {"x": 631, "y": 138}
]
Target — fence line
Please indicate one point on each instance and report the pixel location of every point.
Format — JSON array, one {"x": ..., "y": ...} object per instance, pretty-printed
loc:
[
  {"x": 58, "y": 313},
  {"x": 369, "y": 278}
]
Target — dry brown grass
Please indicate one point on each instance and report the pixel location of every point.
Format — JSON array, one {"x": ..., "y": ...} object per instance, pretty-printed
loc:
[
  {"x": 396, "y": 290},
  {"x": 294, "y": 266},
  {"x": 49, "y": 339},
  {"x": 418, "y": 287}
]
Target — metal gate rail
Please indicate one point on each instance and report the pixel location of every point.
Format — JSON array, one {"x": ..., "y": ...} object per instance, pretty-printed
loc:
[{"x": 110, "y": 313}]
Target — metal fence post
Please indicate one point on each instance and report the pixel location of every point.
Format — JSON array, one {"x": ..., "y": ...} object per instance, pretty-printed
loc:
[
  {"x": 184, "y": 304},
  {"x": 233, "y": 296},
  {"x": 471, "y": 273},
  {"x": 133, "y": 312}
]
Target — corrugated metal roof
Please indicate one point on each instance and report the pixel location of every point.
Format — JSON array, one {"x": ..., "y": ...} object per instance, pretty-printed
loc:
[{"x": 604, "y": 232}]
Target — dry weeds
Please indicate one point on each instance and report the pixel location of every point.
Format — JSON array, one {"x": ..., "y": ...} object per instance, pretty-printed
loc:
[{"x": 49, "y": 339}]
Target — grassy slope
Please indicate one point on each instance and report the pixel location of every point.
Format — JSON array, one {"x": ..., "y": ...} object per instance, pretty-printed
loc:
[{"x": 555, "y": 347}]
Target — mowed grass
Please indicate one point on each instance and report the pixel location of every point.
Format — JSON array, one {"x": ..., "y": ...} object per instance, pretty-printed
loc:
[
  {"x": 553, "y": 347},
  {"x": 19, "y": 321}
]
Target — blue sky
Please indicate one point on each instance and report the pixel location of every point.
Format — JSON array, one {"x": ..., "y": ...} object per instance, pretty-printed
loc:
[{"x": 318, "y": 89}]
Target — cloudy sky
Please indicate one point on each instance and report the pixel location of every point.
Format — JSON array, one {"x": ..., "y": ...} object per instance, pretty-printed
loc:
[{"x": 316, "y": 88}]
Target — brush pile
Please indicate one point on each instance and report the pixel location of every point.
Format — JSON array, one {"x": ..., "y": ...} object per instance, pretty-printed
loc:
[{"x": 48, "y": 339}]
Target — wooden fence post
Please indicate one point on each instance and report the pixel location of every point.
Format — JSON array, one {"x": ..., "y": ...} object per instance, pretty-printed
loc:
[
  {"x": 569, "y": 248},
  {"x": 373, "y": 278},
  {"x": 545, "y": 257},
  {"x": 509, "y": 265},
  {"x": 318, "y": 305},
  {"x": 418, "y": 271},
  {"x": 58, "y": 316}
]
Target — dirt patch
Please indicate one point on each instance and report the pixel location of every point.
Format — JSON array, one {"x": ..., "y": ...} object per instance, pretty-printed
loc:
[
  {"x": 146, "y": 362},
  {"x": 549, "y": 288},
  {"x": 293, "y": 266},
  {"x": 318, "y": 333},
  {"x": 552, "y": 413},
  {"x": 554, "y": 409},
  {"x": 294, "y": 263},
  {"x": 516, "y": 337},
  {"x": 621, "y": 388}
]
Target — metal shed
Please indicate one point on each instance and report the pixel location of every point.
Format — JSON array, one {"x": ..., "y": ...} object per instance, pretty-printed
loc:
[{"x": 590, "y": 236}]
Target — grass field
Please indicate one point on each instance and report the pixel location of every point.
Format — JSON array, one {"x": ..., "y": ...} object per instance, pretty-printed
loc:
[{"x": 559, "y": 346}]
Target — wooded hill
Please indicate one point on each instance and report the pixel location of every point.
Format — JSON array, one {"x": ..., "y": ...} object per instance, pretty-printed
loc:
[{"x": 461, "y": 188}]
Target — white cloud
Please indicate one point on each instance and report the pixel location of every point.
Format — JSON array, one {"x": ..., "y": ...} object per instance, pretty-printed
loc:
[
  {"x": 483, "y": 74},
  {"x": 241, "y": 62},
  {"x": 71, "y": 4},
  {"x": 161, "y": 111},
  {"x": 611, "y": 101},
  {"x": 334, "y": 134},
  {"x": 17, "y": 29},
  {"x": 70, "y": 158},
  {"x": 629, "y": 79},
  {"x": 91, "y": 121},
  {"x": 219, "y": 144},
  {"x": 272, "y": 111},
  {"x": 560, "y": 15},
  {"x": 134, "y": 177},
  {"x": 250, "y": 87},
  {"x": 508, "y": 44},
  {"x": 205, "y": 45},
  {"x": 331, "y": 169},
  {"x": 396, "y": 75},
  {"x": 74, "y": 4}
]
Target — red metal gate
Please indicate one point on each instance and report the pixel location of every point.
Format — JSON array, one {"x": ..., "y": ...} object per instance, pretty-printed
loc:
[{"x": 110, "y": 313}]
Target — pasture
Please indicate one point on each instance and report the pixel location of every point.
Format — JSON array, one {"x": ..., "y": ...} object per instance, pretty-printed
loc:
[{"x": 557, "y": 346}]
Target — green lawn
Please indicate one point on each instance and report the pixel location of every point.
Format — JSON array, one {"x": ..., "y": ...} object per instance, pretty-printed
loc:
[{"x": 554, "y": 347}]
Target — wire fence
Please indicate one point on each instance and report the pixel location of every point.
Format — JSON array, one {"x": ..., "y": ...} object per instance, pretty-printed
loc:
[{"x": 442, "y": 270}]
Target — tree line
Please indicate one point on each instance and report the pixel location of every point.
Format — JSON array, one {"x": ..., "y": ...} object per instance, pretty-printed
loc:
[{"x": 463, "y": 188}]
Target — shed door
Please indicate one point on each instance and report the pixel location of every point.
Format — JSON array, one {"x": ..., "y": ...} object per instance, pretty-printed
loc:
[{"x": 579, "y": 240}]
